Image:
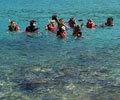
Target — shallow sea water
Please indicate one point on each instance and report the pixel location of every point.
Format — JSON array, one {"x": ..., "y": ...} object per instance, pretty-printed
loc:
[{"x": 43, "y": 67}]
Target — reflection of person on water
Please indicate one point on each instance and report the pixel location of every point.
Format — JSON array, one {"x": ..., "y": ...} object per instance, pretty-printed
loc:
[
  {"x": 108, "y": 23},
  {"x": 13, "y": 26},
  {"x": 51, "y": 27},
  {"x": 32, "y": 28}
]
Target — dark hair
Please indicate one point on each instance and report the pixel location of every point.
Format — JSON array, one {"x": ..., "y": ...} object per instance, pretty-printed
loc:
[
  {"x": 12, "y": 21},
  {"x": 109, "y": 19},
  {"x": 77, "y": 28},
  {"x": 71, "y": 18},
  {"x": 54, "y": 17},
  {"x": 32, "y": 21}
]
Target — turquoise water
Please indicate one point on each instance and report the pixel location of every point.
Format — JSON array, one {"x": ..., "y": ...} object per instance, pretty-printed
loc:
[{"x": 43, "y": 67}]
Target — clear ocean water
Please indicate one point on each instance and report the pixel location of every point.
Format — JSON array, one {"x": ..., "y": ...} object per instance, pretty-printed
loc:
[{"x": 43, "y": 67}]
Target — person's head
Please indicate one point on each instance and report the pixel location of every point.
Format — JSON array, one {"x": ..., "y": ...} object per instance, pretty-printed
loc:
[
  {"x": 90, "y": 21},
  {"x": 77, "y": 27},
  {"x": 61, "y": 21},
  {"x": 55, "y": 17},
  {"x": 13, "y": 23},
  {"x": 72, "y": 19},
  {"x": 32, "y": 23},
  {"x": 109, "y": 20},
  {"x": 52, "y": 22},
  {"x": 62, "y": 29}
]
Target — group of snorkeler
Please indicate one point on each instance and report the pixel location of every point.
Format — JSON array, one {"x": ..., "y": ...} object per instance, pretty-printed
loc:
[{"x": 61, "y": 28}]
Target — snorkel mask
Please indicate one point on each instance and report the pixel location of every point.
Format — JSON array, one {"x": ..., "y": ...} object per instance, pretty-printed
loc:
[
  {"x": 12, "y": 23},
  {"x": 33, "y": 23}
]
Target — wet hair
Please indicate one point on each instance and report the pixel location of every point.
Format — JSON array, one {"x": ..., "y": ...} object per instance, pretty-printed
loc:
[
  {"x": 109, "y": 19},
  {"x": 12, "y": 22},
  {"x": 71, "y": 18},
  {"x": 77, "y": 28},
  {"x": 61, "y": 21},
  {"x": 90, "y": 20},
  {"x": 54, "y": 17},
  {"x": 32, "y": 21}
]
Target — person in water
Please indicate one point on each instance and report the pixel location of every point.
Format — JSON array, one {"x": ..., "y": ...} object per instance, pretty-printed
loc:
[
  {"x": 90, "y": 24},
  {"x": 13, "y": 26},
  {"x": 55, "y": 17},
  {"x": 62, "y": 23},
  {"x": 77, "y": 31},
  {"x": 108, "y": 23},
  {"x": 72, "y": 22},
  {"x": 62, "y": 32},
  {"x": 51, "y": 27},
  {"x": 32, "y": 28}
]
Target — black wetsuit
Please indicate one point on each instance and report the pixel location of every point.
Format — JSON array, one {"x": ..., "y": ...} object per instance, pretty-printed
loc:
[{"x": 31, "y": 29}]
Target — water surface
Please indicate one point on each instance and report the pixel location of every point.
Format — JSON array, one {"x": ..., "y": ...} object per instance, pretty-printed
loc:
[{"x": 43, "y": 67}]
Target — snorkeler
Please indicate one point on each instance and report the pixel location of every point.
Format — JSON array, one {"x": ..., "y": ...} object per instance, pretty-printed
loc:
[
  {"x": 13, "y": 26},
  {"x": 55, "y": 17},
  {"x": 62, "y": 32},
  {"x": 51, "y": 27},
  {"x": 62, "y": 23},
  {"x": 77, "y": 31},
  {"x": 108, "y": 23},
  {"x": 72, "y": 22},
  {"x": 90, "y": 24},
  {"x": 32, "y": 28}
]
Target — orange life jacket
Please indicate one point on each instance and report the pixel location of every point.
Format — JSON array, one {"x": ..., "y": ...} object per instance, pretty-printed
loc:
[
  {"x": 52, "y": 28},
  {"x": 62, "y": 34},
  {"x": 78, "y": 33},
  {"x": 16, "y": 28},
  {"x": 71, "y": 23},
  {"x": 90, "y": 25}
]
